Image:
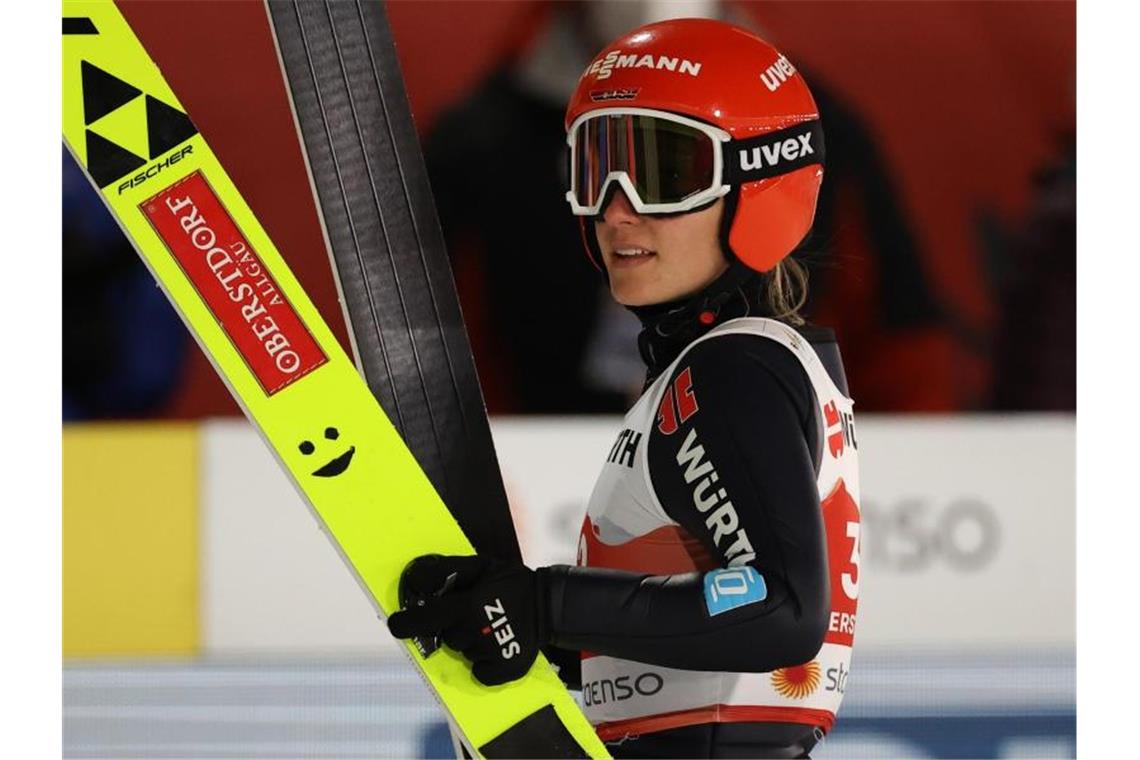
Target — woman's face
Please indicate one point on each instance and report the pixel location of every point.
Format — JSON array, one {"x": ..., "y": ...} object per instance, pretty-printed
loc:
[{"x": 653, "y": 259}]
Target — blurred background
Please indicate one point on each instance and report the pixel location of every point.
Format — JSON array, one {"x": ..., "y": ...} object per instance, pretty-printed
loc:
[{"x": 205, "y": 615}]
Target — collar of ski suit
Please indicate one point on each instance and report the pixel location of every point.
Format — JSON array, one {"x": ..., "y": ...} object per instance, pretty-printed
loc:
[{"x": 668, "y": 327}]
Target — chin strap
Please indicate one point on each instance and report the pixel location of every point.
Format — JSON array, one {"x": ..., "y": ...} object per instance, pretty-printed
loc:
[{"x": 669, "y": 327}]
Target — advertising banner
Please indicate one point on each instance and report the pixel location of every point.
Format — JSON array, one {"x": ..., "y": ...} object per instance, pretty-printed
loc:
[{"x": 967, "y": 541}]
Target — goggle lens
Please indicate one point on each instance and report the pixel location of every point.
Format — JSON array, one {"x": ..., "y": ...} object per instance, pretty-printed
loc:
[{"x": 666, "y": 161}]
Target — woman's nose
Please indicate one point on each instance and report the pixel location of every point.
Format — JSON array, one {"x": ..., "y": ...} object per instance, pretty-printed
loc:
[{"x": 619, "y": 210}]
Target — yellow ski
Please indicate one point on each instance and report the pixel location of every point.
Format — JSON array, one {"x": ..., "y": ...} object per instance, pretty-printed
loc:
[{"x": 232, "y": 288}]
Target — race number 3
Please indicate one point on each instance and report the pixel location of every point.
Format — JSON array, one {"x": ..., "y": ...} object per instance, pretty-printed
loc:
[
  {"x": 850, "y": 581},
  {"x": 841, "y": 521}
]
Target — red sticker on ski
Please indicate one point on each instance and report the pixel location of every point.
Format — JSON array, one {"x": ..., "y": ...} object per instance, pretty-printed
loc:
[{"x": 234, "y": 283}]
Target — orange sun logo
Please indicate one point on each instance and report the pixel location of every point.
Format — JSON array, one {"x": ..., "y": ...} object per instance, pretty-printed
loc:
[{"x": 798, "y": 681}]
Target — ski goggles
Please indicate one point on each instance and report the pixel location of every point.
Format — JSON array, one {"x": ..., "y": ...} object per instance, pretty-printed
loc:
[
  {"x": 668, "y": 164},
  {"x": 665, "y": 163}
]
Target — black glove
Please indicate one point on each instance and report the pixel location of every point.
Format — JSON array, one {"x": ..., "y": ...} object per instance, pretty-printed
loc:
[
  {"x": 492, "y": 612},
  {"x": 568, "y": 662}
]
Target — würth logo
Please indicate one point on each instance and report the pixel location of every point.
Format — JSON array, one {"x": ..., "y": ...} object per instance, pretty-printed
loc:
[
  {"x": 711, "y": 498},
  {"x": 776, "y": 152},
  {"x": 624, "y": 448},
  {"x": 127, "y": 128}
]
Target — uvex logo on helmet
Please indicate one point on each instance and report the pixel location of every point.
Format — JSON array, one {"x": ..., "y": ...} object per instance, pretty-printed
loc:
[
  {"x": 778, "y": 73},
  {"x": 615, "y": 59},
  {"x": 772, "y": 153}
]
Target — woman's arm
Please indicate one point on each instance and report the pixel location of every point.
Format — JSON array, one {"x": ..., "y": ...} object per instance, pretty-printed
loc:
[{"x": 755, "y": 427}]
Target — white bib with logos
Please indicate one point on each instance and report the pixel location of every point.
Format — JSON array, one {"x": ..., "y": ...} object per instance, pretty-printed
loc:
[{"x": 626, "y": 528}]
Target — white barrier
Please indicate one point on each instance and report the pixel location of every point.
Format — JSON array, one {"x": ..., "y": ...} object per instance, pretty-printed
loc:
[
  {"x": 272, "y": 582},
  {"x": 968, "y": 538}
]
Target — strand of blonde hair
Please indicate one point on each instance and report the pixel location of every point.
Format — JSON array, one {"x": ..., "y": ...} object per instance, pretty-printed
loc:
[{"x": 785, "y": 291}]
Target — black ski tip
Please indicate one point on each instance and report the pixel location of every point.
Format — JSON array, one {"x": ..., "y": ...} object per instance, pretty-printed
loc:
[
  {"x": 78, "y": 25},
  {"x": 540, "y": 734}
]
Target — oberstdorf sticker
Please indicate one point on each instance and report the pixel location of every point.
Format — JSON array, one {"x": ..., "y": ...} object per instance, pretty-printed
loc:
[{"x": 234, "y": 283}]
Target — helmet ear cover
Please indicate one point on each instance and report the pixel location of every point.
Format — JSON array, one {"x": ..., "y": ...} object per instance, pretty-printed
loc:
[
  {"x": 752, "y": 166},
  {"x": 775, "y": 179}
]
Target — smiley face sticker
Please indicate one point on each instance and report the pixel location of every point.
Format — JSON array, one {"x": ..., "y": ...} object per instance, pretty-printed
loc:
[{"x": 333, "y": 467}]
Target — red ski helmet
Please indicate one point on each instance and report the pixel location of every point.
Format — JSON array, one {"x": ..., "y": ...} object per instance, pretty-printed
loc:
[{"x": 748, "y": 130}]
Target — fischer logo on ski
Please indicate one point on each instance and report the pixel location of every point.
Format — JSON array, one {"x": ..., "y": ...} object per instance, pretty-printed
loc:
[{"x": 126, "y": 128}]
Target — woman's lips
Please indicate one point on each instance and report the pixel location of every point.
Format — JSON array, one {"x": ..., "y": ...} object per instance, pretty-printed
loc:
[{"x": 627, "y": 258}]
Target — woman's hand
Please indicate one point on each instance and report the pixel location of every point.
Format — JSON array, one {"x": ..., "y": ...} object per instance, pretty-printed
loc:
[{"x": 492, "y": 612}]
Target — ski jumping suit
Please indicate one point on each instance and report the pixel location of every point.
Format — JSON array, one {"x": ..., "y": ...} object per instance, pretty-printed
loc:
[{"x": 729, "y": 502}]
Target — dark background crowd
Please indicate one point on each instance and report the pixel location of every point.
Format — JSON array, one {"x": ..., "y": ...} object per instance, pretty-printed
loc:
[{"x": 943, "y": 253}]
